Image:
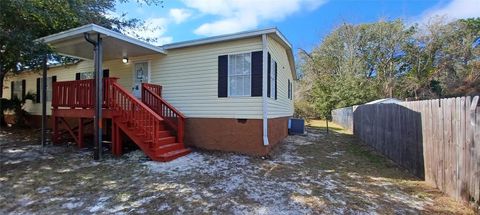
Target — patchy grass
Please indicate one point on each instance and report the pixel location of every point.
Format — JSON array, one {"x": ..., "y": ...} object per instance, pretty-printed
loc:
[{"x": 317, "y": 173}]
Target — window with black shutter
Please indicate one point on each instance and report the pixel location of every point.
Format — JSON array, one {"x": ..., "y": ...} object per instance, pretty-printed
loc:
[
  {"x": 276, "y": 91},
  {"x": 290, "y": 89},
  {"x": 17, "y": 89},
  {"x": 240, "y": 74},
  {"x": 50, "y": 81},
  {"x": 272, "y": 78},
  {"x": 12, "y": 89}
]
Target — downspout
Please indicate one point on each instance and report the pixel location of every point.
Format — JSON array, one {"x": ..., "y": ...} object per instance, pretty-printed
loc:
[
  {"x": 98, "y": 53},
  {"x": 44, "y": 100},
  {"x": 264, "y": 89}
]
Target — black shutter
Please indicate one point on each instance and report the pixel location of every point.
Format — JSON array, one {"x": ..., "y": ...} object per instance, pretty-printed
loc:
[
  {"x": 257, "y": 73},
  {"x": 222, "y": 76},
  {"x": 291, "y": 90},
  {"x": 288, "y": 87},
  {"x": 77, "y": 76},
  {"x": 276, "y": 90},
  {"x": 269, "y": 61},
  {"x": 106, "y": 73},
  {"x": 24, "y": 85},
  {"x": 37, "y": 95},
  {"x": 12, "y": 89}
]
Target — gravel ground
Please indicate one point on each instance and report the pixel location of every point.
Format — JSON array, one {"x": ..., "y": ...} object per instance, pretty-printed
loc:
[{"x": 317, "y": 173}]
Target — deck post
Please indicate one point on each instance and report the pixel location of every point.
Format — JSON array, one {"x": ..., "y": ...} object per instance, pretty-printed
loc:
[
  {"x": 44, "y": 101},
  {"x": 99, "y": 97},
  {"x": 98, "y": 119},
  {"x": 80, "y": 133}
]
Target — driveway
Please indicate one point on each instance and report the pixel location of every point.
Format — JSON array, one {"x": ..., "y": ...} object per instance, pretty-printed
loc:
[{"x": 317, "y": 173}]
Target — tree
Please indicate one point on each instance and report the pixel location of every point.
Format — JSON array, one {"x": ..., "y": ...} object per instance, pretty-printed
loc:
[
  {"x": 353, "y": 65},
  {"x": 23, "y": 21},
  {"x": 443, "y": 60},
  {"x": 358, "y": 63}
]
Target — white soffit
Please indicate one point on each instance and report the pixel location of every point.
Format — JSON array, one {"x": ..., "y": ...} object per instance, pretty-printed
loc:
[{"x": 115, "y": 45}]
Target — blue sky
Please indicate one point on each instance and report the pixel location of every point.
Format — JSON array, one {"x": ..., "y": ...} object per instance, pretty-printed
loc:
[{"x": 303, "y": 22}]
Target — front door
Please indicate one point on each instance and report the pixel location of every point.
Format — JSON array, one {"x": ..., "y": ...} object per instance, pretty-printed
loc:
[{"x": 141, "y": 74}]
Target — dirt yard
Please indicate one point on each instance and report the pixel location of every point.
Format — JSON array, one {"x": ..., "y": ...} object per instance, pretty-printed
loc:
[{"x": 317, "y": 173}]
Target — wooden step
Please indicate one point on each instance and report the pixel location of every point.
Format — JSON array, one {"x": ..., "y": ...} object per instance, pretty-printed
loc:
[
  {"x": 167, "y": 148},
  {"x": 166, "y": 140},
  {"x": 164, "y": 133},
  {"x": 165, "y": 157},
  {"x": 161, "y": 134}
]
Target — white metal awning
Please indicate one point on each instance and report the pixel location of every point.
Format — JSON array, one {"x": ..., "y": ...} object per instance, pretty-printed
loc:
[{"x": 115, "y": 45}]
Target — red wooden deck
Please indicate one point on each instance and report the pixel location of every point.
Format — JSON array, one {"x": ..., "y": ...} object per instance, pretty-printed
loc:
[{"x": 152, "y": 123}]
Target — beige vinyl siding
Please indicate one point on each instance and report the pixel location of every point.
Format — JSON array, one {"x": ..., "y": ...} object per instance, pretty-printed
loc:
[
  {"x": 283, "y": 106},
  {"x": 189, "y": 77},
  {"x": 66, "y": 73}
]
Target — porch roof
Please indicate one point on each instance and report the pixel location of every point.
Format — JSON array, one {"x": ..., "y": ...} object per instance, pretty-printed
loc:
[{"x": 115, "y": 45}]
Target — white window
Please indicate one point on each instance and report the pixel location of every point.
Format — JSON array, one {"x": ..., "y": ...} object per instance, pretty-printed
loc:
[
  {"x": 86, "y": 75},
  {"x": 239, "y": 74},
  {"x": 17, "y": 89},
  {"x": 49, "y": 89},
  {"x": 272, "y": 79}
]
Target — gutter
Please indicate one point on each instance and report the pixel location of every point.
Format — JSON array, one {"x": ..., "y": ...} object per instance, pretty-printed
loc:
[{"x": 264, "y": 89}]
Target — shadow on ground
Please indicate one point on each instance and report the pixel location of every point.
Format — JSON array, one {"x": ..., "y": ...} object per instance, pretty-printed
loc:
[{"x": 316, "y": 173}]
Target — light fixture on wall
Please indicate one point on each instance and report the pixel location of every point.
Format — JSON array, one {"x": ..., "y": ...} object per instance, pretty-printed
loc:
[{"x": 125, "y": 60}]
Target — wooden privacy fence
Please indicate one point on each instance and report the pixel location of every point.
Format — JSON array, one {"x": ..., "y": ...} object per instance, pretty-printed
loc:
[
  {"x": 438, "y": 140},
  {"x": 344, "y": 117}
]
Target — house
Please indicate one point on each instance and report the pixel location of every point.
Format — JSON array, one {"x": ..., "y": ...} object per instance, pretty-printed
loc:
[{"x": 229, "y": 93}]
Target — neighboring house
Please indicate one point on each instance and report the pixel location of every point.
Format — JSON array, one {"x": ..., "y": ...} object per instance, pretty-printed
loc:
[{"x": 216, "y": 83}]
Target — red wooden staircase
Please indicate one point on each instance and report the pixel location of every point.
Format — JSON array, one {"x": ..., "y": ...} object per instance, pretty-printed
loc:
[{"x": 153, "y": 124}]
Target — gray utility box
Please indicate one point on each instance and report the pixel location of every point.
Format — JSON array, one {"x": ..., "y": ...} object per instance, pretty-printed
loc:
[{"x": 296, "y": 126}]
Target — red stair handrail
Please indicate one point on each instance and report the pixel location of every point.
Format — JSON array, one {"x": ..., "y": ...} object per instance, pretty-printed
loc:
[
  {"x": 171, "y": 115},
  {"x": 157, "y": 89},
  {"x": 134, "y": 112}
]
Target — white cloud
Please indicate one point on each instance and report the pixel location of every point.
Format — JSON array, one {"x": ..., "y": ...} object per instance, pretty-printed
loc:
[
  {"x": 153, "y": 28},
  {"x": 179, "y": 15},
  {"x": 239, "y": 15},
  {"x": 456, "y": 9}
]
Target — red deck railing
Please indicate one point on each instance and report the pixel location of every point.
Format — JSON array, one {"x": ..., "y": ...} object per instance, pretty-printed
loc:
[
  {"x": 172, "y": 116},
  {"x": 79, "y": 93},
  {"x": 134, "y": 112}
]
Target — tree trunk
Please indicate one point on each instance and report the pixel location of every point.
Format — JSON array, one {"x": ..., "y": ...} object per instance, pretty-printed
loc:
[{"x": 2, "y": 77}]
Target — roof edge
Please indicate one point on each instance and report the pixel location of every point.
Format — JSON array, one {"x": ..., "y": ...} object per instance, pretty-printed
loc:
[
  {"x": 225, "y": 37},
  {"x": 99, "y": 29}
]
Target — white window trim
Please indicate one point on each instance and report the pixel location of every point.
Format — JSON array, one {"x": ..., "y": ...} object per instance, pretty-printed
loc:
[
  {"x": 149, "y": 67},
  {"x": 228, "y": 76},
  {"x": 92, "y": 72},
  {"x": 18, "y": 87}
]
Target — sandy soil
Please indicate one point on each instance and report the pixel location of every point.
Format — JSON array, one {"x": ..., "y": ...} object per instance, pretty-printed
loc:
[{"x": 317, "y": 173}]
